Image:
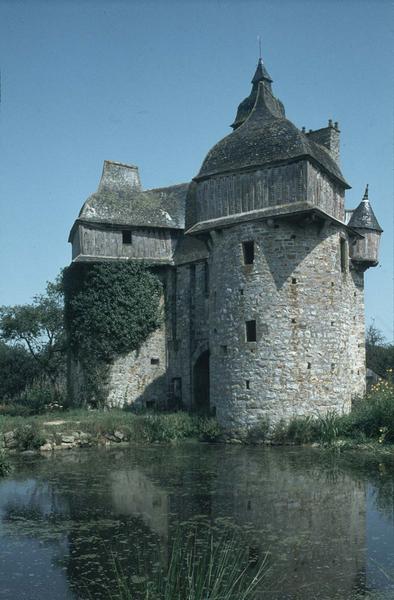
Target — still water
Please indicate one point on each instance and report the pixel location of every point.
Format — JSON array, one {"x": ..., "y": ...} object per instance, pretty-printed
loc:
[{"x": 326, "y": 522}]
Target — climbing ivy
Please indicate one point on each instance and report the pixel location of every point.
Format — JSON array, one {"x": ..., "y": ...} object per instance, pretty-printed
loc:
[{"x": 110, "y": 309}]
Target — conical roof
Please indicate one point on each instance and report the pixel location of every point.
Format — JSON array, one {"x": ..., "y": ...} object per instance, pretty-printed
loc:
[
  {"x": 265, "y": 137},
  {"x": 363, "y": 217},
  {"x": 261, "y": 73}
]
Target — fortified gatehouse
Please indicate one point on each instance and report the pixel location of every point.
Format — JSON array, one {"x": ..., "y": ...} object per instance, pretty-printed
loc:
[{"x": 263, "y": 272}]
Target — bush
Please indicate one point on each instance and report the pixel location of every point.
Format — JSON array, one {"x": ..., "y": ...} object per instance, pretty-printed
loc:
[
  {"x": 374, "y": 415},
  {"x": 110, "y": 310},
  {"x": 209, "y": 430},
  {"x": 5, "y": 466},
  {"x": 18, "y": 369},
  {"x": 302, "y": 430},
  {"x": 29, "y": 437},
  {"x": 259, "y": 432}
]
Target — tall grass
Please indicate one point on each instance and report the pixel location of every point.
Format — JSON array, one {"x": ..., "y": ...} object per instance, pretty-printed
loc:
[{"x": 200, "y": 567}]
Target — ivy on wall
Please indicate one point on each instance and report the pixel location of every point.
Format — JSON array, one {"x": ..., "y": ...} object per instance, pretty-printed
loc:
[{"x": 110, "y": 310}]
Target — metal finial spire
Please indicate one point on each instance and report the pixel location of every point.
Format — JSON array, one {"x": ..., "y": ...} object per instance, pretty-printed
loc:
[
  {"x": 259, "y": 40},
  {"x": 365, "y": 198}
]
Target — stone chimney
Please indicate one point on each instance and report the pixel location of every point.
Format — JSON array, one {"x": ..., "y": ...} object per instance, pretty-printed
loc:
[
  {"x": 327, "y": 137},
  {"x": 119, "y": 177}
]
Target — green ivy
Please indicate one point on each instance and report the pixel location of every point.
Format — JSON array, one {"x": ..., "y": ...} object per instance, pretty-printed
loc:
[{"x": 110, "y": 310}]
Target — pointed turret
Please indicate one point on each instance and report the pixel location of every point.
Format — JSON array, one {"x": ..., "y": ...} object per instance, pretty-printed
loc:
[
  {"x": 363, "y": 216},
  {"x": 244, "y": 109},
  {"x": 261, "y": 73},
  {"x": 365, "y": 252}
]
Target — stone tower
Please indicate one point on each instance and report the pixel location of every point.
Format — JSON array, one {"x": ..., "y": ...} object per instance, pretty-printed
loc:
[
  {"x": 286, "y": 311},
  {"x": 262, "y": 268}
]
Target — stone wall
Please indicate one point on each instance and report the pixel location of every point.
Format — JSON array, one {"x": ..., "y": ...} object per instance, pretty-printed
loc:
[
  {"x": 309, "y": 354},
  {"x": 139, "y": 378}
]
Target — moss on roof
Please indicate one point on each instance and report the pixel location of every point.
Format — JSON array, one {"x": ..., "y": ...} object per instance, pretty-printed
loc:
[{"x": 161, "y": 207}]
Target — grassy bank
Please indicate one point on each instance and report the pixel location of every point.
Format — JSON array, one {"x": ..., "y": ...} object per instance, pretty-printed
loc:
[
  {"x": 370, "y": 425},
  {"x": 92, "y": 427}
]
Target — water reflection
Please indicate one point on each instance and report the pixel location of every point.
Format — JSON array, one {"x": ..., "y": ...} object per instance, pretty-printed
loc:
[{"x": 325, "y": 522}]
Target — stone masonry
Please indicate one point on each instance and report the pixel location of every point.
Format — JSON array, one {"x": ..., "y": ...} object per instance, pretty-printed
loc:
[{"x": 262, "y": 270}]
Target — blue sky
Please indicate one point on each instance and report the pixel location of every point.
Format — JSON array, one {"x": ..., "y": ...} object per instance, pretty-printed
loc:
[{"x": 157, "y": 84}]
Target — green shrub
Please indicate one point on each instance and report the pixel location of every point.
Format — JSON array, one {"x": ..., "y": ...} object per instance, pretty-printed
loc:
[
  {"x": 259, "y": 432},
  {"x": 373, "y": 416},
  {"x": 301, "y": 430},
  {"x": 110, "y": 309},
  {"x": 278, "y": 432},
  {"x": 40, "y": 397},
  {"x": 209, "y": 430},
  {"x": 29, "y": 436},
  {"x": 5, "y": 465}
]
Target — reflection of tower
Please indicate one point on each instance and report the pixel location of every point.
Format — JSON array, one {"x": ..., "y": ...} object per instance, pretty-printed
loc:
[
  {"x": 286, "y": 323},
  {"x": 309, "y": 518}
]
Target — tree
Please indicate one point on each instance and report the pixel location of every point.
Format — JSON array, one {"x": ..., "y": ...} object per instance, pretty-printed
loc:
[
  {"x": 38, "y": 327},
  {"x": 18, "y": 370},
  {"x": 379, "y": 354}
]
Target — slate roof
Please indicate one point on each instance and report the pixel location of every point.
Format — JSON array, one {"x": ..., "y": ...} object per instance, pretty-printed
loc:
[
  {"x": 265, "y": 137},
  {"x": 363, "y": 216},
  {"x": 160, "y": 207}
]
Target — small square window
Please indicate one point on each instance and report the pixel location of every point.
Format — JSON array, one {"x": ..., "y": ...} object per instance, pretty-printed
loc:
[
  {"x": 248, "y": 252},
  {"x": 251, "y": 333},
  {"x": 126, "y": 236},
  {"x": 293, "y": 280},
  {"x": 155, "y": 361},
  {"x": 224, "y": 349}
]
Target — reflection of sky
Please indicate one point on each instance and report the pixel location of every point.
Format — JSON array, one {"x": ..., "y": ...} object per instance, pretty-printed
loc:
[
  {"x": 380, "y": 542},
  {"x": 28, "y": 570},
  {"x": 29, "y": 567}
]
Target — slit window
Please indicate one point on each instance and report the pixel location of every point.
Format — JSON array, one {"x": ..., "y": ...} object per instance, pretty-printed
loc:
[
  {"x": 251, "y": 333},
  {"x": 154, "y": 361},
  {"x": 248, "y": 252},
  {"x": 344, "y": 255},
  {"x": 126, "y": 236}
]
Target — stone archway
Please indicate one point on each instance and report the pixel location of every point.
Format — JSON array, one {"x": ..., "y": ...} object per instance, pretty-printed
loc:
[{"x": 201, "y": 382}]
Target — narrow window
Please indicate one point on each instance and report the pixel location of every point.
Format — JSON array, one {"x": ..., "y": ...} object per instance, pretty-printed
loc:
[
  {"x": 309, "y": 365},
  {"x": 154, "y": 361},
  {"x": 293, "y": 280},
  {"x": 344, "y": 255},
  {"x": 247, "y": 384},
  {"x": 177, "y": 388},
  {"x": 224, "y": 349},
  {"x": 248, "y": 251},
  {"x": 251, "y": 331},
  {"x": 206, "y": 278},
  {"x": 126, "y": 236}
]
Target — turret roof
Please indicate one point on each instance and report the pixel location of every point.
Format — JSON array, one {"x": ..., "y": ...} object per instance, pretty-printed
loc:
[
  {"x": 363, "y": 216},
  {"x": 265, "y": 137}
]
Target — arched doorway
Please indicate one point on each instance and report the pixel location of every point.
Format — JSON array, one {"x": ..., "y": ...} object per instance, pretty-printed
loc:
[{"x": 201, "y": 382}]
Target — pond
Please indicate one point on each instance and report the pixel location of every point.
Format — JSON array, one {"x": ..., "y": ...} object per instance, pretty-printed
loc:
[{"x": 325, "y": 522}]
